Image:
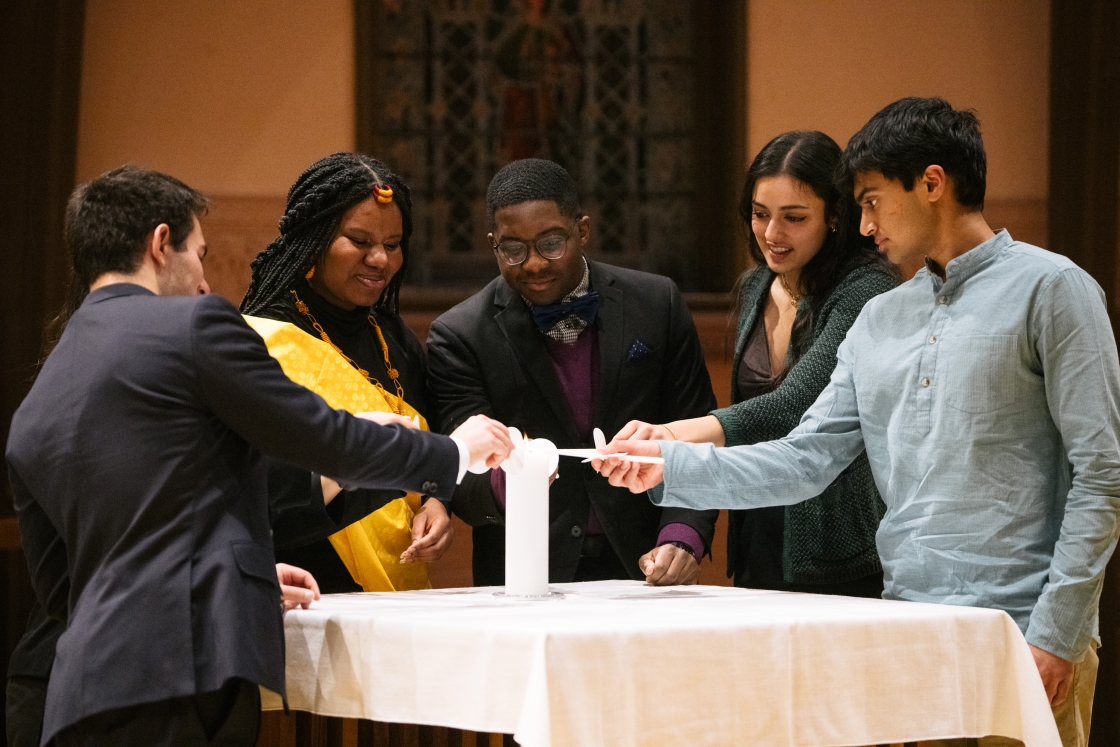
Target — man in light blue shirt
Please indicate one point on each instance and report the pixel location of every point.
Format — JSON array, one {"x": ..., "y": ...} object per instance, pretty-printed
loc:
[{"x": 986, "y": 392}]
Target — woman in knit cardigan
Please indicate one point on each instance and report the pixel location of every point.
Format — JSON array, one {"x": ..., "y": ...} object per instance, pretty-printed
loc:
[{"x": 813, "y": 274}]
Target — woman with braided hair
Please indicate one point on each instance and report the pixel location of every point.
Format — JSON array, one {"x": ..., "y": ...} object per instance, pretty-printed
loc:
[{"x": 324, "y": 296}]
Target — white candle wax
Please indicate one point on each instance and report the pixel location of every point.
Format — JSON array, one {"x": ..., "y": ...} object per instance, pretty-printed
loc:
[{"x": 527, "y": 481}]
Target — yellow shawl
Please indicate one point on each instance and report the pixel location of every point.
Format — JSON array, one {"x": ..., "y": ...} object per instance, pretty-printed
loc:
[{"x": 370, "y": 548}]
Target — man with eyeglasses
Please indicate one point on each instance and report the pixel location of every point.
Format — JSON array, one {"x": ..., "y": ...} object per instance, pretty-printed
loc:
[{"x": 557, "y": 346}]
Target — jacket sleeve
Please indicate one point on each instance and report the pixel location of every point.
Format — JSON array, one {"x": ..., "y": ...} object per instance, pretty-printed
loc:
[
  {"x": 44, "y": 550},
  {"x": 246, "y": 389},
  {"x": 456, "y": 392},
  {"x": 687, "y": 393},
  {"x": 299, "y": 517},
  {"x": 774, "y": 414}
]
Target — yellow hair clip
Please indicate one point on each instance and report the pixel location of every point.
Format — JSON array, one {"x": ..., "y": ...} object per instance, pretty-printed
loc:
[{"x": 384, "y": 193}]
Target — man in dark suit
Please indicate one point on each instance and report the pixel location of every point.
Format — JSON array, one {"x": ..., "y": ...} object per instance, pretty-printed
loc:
[
  {"x": 139, "y": 481},
  {"x": 555, "y": 347}
]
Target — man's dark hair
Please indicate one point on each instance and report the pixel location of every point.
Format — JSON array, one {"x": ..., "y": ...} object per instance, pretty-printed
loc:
[
  {"x": 108, "y": 218},
  {"x": 316, "y": 202},
  {"x": 107, "y": 221},
  {"x": 532, "y": 179},
  {"x": 911, "y": 134}
]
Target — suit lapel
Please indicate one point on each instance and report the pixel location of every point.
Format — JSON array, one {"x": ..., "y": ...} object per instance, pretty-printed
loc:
[
  {"x": 612, "y": 339},
  {"x": 516, "y": 323}
]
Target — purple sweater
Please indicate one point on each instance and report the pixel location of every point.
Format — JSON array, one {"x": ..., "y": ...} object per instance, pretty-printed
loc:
[{"x": 577, "y": 367}]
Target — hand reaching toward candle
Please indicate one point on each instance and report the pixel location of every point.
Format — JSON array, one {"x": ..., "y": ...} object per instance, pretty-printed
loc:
[
  {"x": 637, "y": 477},
  {"x": 702, "y": 430},
  {"x": 667, "y": 565},
  {"x": 487, "y": 440},
  {"x": 639, "y": 431},
  {"x": 298, "y": 588},
  {"x": 432, "y": 532}
]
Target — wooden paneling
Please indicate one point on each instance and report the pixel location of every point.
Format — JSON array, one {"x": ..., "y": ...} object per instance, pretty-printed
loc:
[
  {"x": 1025, "y": 219},
  {"x": 1084, "y": 225},
  {"x": 40, "y": 55},
  {"x": 237, "y": 229},
  {"x": 720, "y": 52}
]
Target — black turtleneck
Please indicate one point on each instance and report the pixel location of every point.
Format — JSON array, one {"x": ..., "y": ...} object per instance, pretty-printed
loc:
[{"x": 301, "y": 524}]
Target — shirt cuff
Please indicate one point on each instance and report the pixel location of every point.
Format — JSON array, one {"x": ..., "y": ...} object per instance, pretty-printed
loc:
[
  {"x": 685, "y": 534},
  {"x": 464, "y": 458}
]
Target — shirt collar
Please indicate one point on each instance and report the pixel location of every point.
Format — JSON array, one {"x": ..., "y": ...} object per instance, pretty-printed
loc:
[
  {"x": 116, "y": 290},
  {"x": 968, "y": 264}
]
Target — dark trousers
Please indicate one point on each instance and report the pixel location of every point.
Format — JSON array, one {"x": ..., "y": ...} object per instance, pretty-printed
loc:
[
  {"x": 25, "y": 702},
  {"x": 230, "y": 717},
  {"x": 598, "y": 561}
]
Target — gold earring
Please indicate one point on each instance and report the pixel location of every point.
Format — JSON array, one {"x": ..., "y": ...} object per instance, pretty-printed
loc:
[{"x": 310, "y": 273}]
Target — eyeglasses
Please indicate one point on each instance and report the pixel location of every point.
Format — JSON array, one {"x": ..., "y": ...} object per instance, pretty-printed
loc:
[{"x": 551, "y": 246}]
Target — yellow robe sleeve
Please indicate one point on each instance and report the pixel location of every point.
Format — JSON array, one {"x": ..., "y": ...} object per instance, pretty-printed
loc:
[{"x": 370, "y": 548}]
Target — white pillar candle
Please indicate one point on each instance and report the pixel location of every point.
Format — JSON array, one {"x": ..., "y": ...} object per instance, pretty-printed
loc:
[{"x": 528, "y": 473}]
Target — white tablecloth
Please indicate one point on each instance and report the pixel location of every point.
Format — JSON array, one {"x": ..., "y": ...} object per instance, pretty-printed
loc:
[{"x": 619, "y": 663}]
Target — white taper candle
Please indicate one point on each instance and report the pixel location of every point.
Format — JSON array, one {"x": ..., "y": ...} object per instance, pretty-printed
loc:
[{"x": 528, "y": 471}]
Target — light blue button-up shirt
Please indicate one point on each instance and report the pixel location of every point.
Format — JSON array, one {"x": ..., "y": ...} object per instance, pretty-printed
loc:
[{"x": 988, "y": 406}]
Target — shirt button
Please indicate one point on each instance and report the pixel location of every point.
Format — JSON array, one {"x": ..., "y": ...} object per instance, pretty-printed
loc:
[
  {"x": 932, "y": 340},
  {"x": 925, "y": 382},
  {"x": 943, "y": 300},
  {"x": 577, "y": 531}
]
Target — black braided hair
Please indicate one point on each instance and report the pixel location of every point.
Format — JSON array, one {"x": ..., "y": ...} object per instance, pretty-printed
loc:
[
  {"x": 532, "y": 179},
  {"x": 316, "y": 203}
]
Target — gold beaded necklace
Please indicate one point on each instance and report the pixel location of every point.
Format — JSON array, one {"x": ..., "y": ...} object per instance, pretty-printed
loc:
[
  {"x": 794, "y": 297},
  {"x": 393, "y": 373}
]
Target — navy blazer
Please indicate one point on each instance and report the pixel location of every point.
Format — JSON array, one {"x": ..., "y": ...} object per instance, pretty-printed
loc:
[
  {"x": 140, "y": 487},
  {"x": 487, "y": 356}
]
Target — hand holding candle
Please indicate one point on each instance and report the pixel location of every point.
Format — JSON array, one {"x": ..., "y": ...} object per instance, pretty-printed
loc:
[
  {"x": 487, "y": 440},
  {"x": 637, "y": 477}
]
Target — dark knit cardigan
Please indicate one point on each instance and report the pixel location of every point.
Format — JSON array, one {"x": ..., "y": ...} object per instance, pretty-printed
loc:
[{"x": 829, "y": 538}]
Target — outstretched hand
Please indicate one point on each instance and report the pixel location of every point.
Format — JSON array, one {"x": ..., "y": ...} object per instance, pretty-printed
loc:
[
  {"x": 432, "y": 532},
  {"x": 487, "y": 440},
  {"x": 297, "y": 587},
  {"x": 640, "y": 431},
  {"x": 636, "y": 477}
]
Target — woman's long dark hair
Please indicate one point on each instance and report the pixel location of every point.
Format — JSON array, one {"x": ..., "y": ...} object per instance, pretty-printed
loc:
[
  {"x": 811, "y": 158},
  {"x": 316, "y": 203}
]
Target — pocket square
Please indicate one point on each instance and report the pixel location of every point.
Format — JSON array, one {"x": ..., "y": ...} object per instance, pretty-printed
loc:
[{"x": 637, "y": 351}]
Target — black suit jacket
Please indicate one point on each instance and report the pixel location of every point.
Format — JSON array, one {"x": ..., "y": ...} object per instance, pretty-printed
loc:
[
  {"x": 140, "y": 488},
  {"x": 487, "y": 356}
]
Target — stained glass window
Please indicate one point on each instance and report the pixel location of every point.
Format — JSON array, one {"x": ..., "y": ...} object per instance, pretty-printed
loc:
[{"x": 603, "y": 87}]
